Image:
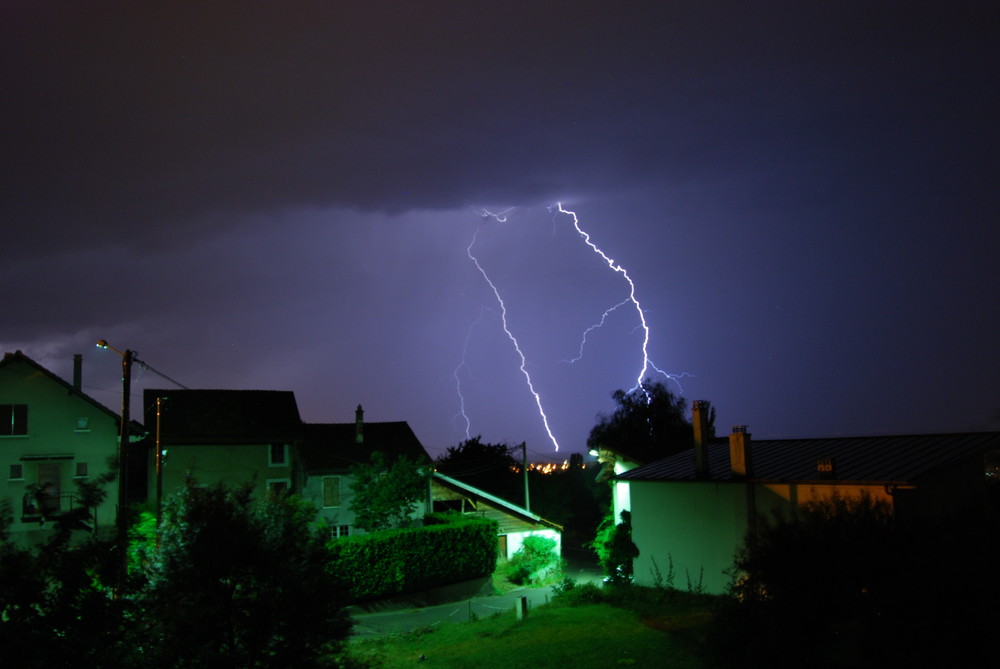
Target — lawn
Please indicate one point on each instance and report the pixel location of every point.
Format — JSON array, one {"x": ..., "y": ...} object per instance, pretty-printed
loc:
[{"x": 641, "y": 627}]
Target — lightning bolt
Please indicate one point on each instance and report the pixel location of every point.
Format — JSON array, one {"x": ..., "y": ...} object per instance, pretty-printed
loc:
[
  {"x": 595, "y": 326},
  {"x": 647, "y": 364},
  {"x": 458, "y": 380},
  {"x": 499, "y": 217},
  {"x": 506, "y": 327}
]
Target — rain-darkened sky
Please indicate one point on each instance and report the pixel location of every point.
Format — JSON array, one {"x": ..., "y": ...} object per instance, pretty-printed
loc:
[{"x": 286, "y": 195}]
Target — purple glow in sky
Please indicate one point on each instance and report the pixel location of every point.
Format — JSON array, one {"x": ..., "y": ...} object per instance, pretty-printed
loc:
[{"x": 282, "y": 195}]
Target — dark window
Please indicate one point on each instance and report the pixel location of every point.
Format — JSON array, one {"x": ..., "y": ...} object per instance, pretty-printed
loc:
[
  {"x": 81, "y": 469},
  {"x": 331, "y": 491},
  {"x": 277, "y": 455},
  {"x": 13, "y": 419},
  {"x": 16, "y": 472}
]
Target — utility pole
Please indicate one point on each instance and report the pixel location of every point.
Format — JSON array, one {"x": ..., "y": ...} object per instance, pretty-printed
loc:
[
  {"x": 128, "y": 357},
  {"x": 527, "y": 495},
  {"x": 159, "y": 469},
  {"x": 123, "y": 472}
]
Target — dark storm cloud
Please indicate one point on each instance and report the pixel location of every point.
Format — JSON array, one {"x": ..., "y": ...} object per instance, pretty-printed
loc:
[
  {"x": 121, "y": 117},
  {"x": 279, "y": 195}
]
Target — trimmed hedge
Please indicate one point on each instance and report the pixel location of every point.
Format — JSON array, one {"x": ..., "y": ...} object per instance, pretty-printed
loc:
[{"x": 392, "y": 562}]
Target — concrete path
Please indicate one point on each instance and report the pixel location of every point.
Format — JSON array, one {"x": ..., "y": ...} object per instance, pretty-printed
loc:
[{"x": 409, "y": 619}]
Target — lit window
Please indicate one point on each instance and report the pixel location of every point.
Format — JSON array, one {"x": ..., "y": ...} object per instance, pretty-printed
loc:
[
  {"x": 277, "y": 455},
  {"x": 16, "y": 473},
  {"x": 331, "y": 491},
  {"x": 82, "y": 423},
  {"x": 81, "y": 470},
  {"x": 13, "y": 419}
]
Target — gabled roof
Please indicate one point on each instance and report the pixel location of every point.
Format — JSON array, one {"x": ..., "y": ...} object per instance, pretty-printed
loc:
[
  {"x": 889, "y": 459},
  {"x": 10, "y": 359},
  {"x": 333, "y": 447},
  {"x": 497, "y": 503},
  {"x": 224, "y": 416}
]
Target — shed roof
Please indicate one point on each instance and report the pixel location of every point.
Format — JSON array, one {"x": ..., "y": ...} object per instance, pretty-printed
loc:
[
  {"x": 494, "y": 507},
  {"x": 898, "y": 458}
]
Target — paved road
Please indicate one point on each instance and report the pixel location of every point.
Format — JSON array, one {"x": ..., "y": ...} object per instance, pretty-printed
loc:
[{"x": 409, "y": 619}]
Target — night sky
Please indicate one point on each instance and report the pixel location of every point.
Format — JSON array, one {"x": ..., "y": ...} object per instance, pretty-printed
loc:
[{"x": 283, "y": 196}]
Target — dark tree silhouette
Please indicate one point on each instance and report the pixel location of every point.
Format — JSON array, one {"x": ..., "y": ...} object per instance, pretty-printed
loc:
[
  {"x": 56, "y": 607},
  {"x": 239, "y": 582},
  {"x": 649, "y": 423},
  {"x": 490, "y": 467}
]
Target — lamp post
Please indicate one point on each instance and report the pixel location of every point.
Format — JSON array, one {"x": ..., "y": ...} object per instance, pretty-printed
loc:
[{"x": 127, "y": 358}]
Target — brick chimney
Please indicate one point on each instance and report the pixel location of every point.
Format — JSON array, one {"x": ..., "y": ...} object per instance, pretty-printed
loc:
[
  {"x": 699, "y": 421},
  {"x": 77, "y": 372},
  {"x": 739, "y": 452},
  {"x": 359, "y": 425}
]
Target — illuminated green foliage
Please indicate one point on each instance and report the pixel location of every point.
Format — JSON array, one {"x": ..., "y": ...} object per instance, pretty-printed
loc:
[
  {"x": 386, "y": 496},
  {"x": 391, "y": 562},
  {"x": 616, "y": 552},
  {"x": 536, "y": 555}
]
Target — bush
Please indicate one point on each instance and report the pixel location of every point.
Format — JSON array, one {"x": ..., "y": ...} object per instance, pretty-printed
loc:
[
  {"x": 392, "y": 562},
  {"x": 531, "y": 562},
  {"x": 578, "y": 594},
  {"x": 844, "y": 582},
  {"x": 615, "y": 549}
]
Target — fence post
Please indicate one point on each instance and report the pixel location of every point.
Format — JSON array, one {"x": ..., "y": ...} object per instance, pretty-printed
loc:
[{"x": 521, "y": 607}]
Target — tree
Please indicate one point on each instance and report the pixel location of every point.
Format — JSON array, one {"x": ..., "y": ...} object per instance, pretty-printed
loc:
[
  {"x": 240, "y": 582},
  {"x": 386, "y": 495},
  {"x": 489, "y": 467},
  {"x": 649, "y": 423},
  {"x": 56, "y": 602}
]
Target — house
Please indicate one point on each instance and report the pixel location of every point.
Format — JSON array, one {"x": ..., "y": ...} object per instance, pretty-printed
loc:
[
  {"x": 223, "y": 436},
  {"x": 515, "y": 522},
  {"x": 690, "y": 511},
  {"x": 52, "y": 435},
  {"x": 328, "y": 452}
]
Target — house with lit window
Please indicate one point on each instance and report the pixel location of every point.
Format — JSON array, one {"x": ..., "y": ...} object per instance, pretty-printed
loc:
[
  {"x": 690, "y": 511},
  {"x": 51, "y": 436},
  {"x": 329, "y": 450},
  {"x": 222, "y": 436}
]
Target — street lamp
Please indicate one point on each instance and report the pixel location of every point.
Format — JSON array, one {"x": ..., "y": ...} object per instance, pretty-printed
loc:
[{"x": 128, "y": 356}]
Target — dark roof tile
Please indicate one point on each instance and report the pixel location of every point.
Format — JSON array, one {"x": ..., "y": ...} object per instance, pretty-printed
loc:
[
  {"x": 888, "y": 458},
  {"x": 224, "y": 416}
]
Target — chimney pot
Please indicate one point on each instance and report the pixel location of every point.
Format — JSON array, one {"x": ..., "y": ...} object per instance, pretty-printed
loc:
[
  {"x": 359, "y": 425},
  {"x": 699, "y": 422},
  {"x": 739, "y": 452},
  {"x": 77, "y": 372}
]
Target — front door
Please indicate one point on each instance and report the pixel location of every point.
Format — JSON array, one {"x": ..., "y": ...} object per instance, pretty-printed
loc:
[{"x": 48, "y": 488}]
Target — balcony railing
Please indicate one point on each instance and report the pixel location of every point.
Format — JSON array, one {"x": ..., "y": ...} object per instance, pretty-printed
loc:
[{"x": 38, "y": 507}]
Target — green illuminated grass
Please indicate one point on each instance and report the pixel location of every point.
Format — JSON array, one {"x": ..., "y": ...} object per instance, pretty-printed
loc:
[{"x": 591, "y": 635}]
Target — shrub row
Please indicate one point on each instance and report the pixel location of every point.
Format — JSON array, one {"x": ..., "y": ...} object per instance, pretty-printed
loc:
[{"x": 393, "y": 562}]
